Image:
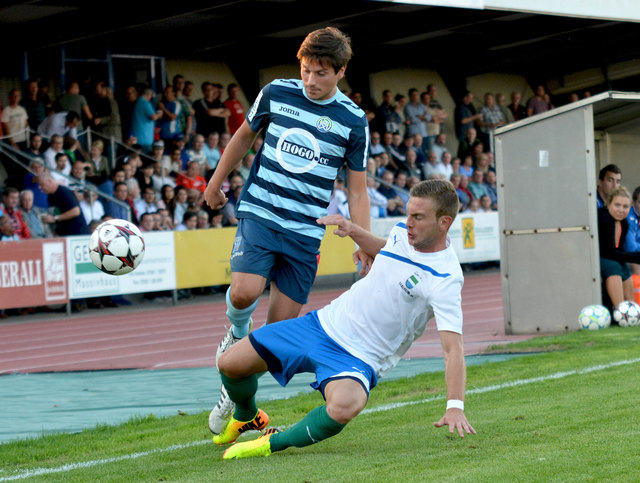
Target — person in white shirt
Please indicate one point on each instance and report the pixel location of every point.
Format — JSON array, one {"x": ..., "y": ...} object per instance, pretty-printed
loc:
[{"x": 362, "y": 334}]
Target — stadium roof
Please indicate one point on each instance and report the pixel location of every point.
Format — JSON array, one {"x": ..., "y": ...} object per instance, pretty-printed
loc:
[{"x": 253, "y": 34}]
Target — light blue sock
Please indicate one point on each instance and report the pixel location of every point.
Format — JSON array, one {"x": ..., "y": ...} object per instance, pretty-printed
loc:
[{"x": 239, "y": 318}]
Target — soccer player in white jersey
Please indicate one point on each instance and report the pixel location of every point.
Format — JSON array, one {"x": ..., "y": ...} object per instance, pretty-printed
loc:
[
  {"x": 362, "y": 334},
  {"x": 311, "y": 130}
]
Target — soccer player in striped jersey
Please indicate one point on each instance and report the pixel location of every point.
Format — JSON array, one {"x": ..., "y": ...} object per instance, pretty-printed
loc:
[
  {"x": 362, "y": 334},
  {"x": 311, "y": 130}
]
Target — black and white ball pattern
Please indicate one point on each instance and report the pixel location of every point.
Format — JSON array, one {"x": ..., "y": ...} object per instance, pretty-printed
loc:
[{"x": 116, "y": 247}]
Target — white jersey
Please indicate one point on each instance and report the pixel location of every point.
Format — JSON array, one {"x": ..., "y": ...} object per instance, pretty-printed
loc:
[{"x": 381, "y": 315}]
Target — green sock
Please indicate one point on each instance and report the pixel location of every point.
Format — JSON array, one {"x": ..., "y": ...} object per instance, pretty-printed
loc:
[
  {"x": 242, "y": 392},
  {"x": 314, "y": 427}
]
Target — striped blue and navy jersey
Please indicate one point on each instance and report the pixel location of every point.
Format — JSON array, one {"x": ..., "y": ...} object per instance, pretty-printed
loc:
[{"x": 306, "y": 142}]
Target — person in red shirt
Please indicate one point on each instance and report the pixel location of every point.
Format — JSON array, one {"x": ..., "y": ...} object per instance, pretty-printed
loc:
[
  {"x": 191, "y": 178},
  {"x": 235, "y": 107},
  {"x": 10, "y": 199}
]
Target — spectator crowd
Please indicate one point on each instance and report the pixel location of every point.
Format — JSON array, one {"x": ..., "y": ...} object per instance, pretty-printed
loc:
[{"x": 168, "y": 146}]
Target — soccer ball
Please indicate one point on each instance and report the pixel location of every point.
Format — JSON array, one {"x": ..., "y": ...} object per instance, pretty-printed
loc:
[
  {"x": 594, "y": 317},
  {"x": 627, "y": 314},
  {"x": 116, "y": 247}
]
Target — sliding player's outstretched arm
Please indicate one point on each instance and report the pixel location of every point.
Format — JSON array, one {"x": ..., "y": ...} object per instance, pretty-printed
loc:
[{"x": 367, "y": 241}]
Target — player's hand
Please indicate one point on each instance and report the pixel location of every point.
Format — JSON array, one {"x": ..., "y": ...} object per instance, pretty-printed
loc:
[
  {"x": 215, "y": 198},
  {"x": 365, "y": 261},
  {"x": 344, "y": 225},
  {"x": 456, "y": 420}
]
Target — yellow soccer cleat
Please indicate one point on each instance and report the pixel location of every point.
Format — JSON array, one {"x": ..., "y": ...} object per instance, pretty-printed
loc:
[
  {"x": 251, "y": 449},
  {"x": 235, "y": 428}
]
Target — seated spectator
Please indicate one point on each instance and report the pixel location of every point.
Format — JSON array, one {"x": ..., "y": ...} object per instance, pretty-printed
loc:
[
  {"x": 400, "y": 186},
  {"x": 375, "y": 148},
  {"x": 92, "y": 208},
  {"x": 492, "y": 188},
  {"x": 477, "y": 186},
  {"x": 397, "y": 158},
  {"x": 178, "y": 205},
  {"x": 197, "y": 153},
  {"x": 338, "y": 204},
  {"x": 614, "y": 257},
  {"x": 147, "y": 222},
  {"x": 189, "y": 222},
  {"x": 117, "y": 210},
  {"x": 233, "y": 194},
  {"x": 161, "y": 177},
  {"x": 455, "y": 165},
  {"x": 55, "y": 147},
  {"x": 485, "y": 204},
  {"x": 632, "y": 241},
  {"x": 482, "y": 163},
  {"x": 35, "y": 147},
  {"x": 107, "y": 187},
  {"x": 473, "y": 207},
  {"x": 32, "y": 214},
  {"x": 191, "y": 178},
  {"x": 447, "y": 168},
  {"x": 418, "y": 142},
  {"x": 433, "y": 166},
  {"x": 211, "y": 150},
  {"x": 167, "y": 193},
  {"x": 147, "y": 203},
  {"x": 166, "y": 224},
  {"x": 466, "y": 168},
  {"x": 10, "y": 202},
  {"x": 440, "y": 145},
  {"x": 69, "y": 220},
  {"x": 412, "y": 168},
  {"x": 203, "y": 220},
  {"x": 464, "y": 193},
  {"x": 377, "y": 201},
  {"x": 97, "y": 165},
  {"x": 383, "y": 163},
  {"x": 144, "y": 175},
  {"x": 133, "y": 195},
  {"x": 395, "y": 204},
  {"x": 216, "y": 219},
  {"x": 501, "y": 102},
  {"x": 6, "y": 231},
  {"x": 245, "y": 168},
  {"x": 76, "y": 181}
]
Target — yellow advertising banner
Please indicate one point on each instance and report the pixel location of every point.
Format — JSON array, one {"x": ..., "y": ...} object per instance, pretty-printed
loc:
[{"x": 202, "y": 256}]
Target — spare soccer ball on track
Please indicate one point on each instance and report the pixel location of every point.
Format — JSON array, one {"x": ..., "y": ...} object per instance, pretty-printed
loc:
[
  {"x": 594, "y": 317},
  {"x": 116, "y": 247},
  {"x": 627, "y": 314}
]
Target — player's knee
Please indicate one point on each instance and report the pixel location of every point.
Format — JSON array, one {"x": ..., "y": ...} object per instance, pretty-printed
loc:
[
  {"x": 343, "y": 411},
  {"x": 241, "y": 299},
  {"x": 227, "y": 367}
]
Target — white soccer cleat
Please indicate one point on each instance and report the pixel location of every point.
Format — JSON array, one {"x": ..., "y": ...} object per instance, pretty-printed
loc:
[
  {"x": 229, "y": 340},
  {"x": 221, "y": 414}
]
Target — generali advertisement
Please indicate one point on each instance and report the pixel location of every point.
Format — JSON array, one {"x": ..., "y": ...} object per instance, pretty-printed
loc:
[{"x": 33, "y": 273}]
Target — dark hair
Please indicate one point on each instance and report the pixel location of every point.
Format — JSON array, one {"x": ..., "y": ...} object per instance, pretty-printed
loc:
[
  {"x": 328, "y": 45},
  {"x": 609, "y": 168},
  {"x": 636, "y": 194},
  {"x": 72, "y": 116},
  {"x": 59, "y": 155}
]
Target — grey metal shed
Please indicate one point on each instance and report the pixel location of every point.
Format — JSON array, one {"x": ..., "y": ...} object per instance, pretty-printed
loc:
[{"x": 547, "y": 169}]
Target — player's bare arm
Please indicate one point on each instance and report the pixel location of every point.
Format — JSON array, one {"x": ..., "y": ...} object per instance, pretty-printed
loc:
[
  {"x": 455, "y": 376},
  {"x": 366, "y": 240},
  {"x": 238, "y": 146},
  {"x": 358, "y": 201}
]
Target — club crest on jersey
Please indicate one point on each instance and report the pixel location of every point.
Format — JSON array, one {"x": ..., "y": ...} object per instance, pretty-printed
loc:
[
  {"x": 410, "y": 283},
  {"x": 324, "y": 124}
]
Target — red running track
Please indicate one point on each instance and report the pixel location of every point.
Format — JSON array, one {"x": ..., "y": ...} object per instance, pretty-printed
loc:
[{"x": 163, "y": 336}]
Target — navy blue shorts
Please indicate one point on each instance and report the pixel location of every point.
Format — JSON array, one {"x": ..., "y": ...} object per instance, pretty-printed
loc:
[
  {"x": 610, "y": 267},
  {"x": 301, "y": 345},
  {"x": 289, "y": 263}
]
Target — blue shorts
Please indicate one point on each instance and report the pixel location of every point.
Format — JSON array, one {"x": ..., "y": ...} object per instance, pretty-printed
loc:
[
  {"x": 301, "y": 345},
  {"x": 291, "y": 264}
]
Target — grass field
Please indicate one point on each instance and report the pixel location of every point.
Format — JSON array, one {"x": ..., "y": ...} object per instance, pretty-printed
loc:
[{"x": 568, "y": 413}]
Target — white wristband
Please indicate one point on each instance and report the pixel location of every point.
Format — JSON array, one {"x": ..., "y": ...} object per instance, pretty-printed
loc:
[{"x": 456, "y": 404}]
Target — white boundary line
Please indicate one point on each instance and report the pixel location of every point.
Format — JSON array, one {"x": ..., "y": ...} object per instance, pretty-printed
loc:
[{"x": 386, "y": 407}]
